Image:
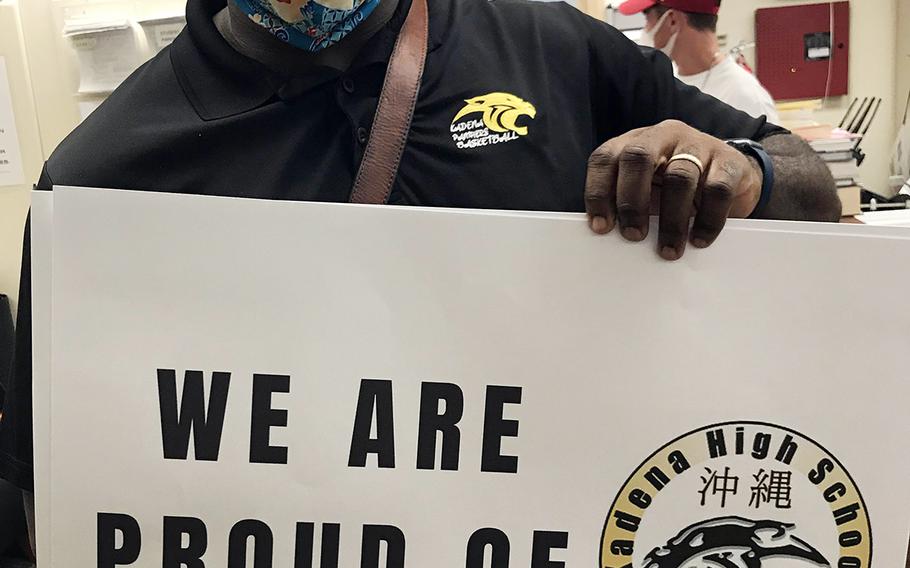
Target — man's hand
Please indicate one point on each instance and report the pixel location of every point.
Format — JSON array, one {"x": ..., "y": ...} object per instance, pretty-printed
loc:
[{"x": 634, "y": 174}]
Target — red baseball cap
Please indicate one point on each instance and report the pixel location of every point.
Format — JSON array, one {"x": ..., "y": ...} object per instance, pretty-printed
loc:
[{"x": 630, "y": 7}]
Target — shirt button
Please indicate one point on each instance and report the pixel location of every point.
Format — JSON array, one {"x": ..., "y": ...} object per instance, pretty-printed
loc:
[
  {"x": 363, "y": 135},
  {"x": 348, "y": 85}
]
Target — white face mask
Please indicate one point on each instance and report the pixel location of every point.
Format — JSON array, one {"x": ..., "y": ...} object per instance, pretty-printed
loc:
[{"x": 647, "y": 36}]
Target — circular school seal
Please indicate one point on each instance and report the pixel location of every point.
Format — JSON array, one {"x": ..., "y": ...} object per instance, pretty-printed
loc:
[{"x": 738, "y": 495}]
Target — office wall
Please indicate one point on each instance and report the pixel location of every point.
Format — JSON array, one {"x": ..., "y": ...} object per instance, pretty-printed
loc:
[
  {"x": 902, "y": 60},
  {"x": 14, "y": 200},
  {"x": 873, "y": 63}
]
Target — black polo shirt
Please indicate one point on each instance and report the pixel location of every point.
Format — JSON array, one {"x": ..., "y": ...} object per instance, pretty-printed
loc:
[{"x": 514, "y": 98}]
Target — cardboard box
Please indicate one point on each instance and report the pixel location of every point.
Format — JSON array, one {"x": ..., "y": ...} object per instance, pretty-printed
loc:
[{"x": 850, "y": 201}]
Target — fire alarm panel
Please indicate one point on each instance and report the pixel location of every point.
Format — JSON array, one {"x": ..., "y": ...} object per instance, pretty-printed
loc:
[{"x": 802, "y": 51}]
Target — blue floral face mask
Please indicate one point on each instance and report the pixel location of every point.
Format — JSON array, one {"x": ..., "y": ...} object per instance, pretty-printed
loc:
[{"x": 311, "y": 25}]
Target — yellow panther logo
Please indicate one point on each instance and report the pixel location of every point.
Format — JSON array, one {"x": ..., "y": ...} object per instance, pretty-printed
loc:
[{"x": 500, "y": 111}]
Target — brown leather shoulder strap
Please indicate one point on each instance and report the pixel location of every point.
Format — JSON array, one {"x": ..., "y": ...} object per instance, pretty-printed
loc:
[{"x": 392, "y": 122}]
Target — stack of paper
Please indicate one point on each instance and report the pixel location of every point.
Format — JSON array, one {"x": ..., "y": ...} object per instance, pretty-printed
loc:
[
  {"x": 837, "y": 147},
  {"x": 899, "y": 218}
]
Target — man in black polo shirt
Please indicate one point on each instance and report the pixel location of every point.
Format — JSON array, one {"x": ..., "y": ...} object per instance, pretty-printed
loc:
[{"x": 255, "y": 99}]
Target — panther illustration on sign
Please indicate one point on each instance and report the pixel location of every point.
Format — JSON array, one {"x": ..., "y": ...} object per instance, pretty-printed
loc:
[
  {"x": 733, "y": 542},
  {"x": 738, "y": 495}
]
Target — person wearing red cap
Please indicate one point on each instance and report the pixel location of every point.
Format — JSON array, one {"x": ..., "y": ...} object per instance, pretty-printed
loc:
[{"x": 686, "y": 31}]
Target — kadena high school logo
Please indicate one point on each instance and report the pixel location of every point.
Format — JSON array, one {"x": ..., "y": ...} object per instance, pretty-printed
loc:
[
  {"x": 738, "y": 495},
  {"x": 490, "y": 119}
]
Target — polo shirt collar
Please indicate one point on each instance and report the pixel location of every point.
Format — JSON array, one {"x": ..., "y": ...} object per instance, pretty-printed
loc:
[{"x": 219, "y": 82}]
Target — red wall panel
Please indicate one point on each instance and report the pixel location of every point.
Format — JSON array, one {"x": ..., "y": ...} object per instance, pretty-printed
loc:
[{"x": 782, "y": 65}]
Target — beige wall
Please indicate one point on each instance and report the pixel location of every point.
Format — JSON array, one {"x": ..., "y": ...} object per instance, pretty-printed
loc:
[
  {"x": 902, "y": 61},
  {"x": 873, "y": 38},
  {"x": 14, "y": 200},
  {"x": 592, "y": 7},
  {"x": 52, "y": 79}
]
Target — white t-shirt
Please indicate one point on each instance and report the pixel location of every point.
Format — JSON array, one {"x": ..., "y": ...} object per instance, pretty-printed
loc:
[{"x": 732, "y": 84}]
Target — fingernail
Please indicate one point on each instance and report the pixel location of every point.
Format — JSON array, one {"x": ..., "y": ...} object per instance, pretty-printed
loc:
[
  {"x": 632, "y": 233},
  {"x": 599, "y": 224},
  {"x": 669, "y": 253},
  {"x": 700, "y": 243}
]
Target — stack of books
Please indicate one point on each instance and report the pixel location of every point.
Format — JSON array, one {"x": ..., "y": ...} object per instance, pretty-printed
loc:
[
  {"x": 838, "y": 149},
  {"x": 839, "y": 155}
]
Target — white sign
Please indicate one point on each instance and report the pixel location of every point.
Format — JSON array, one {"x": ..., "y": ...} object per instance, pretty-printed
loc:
[
  {"x": 10, "y": 152},
  {"x": 379, "y": 386}
]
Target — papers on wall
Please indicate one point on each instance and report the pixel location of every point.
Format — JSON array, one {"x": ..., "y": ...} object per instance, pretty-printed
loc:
[
  {"x": 162, "y": 31},
  {"x": 107, "y": 52},
  {"x": 11, "y": 172}
]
